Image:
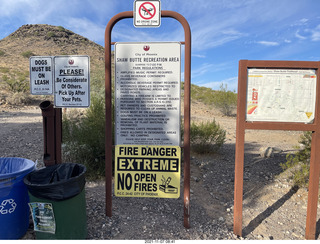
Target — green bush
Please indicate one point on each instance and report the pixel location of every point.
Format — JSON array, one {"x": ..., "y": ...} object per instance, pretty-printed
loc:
[
  {"x": 206, "y": 137},
  {"x": 60, "y": 28},
  {"x": 299, "y": 163},
  {"x": 4, "y": 69},
  {"x": 51, "y": 34},
  {"x": 27, "y": 54},
  {"x": 18, "y": 83},
  {"x": 84, "y": 139},
  {"x": 225, "y": 101},
  {"x": 19, "y": 98},
  {"x": 202, "y": 94},
  {"x": 97, "y": 85}
]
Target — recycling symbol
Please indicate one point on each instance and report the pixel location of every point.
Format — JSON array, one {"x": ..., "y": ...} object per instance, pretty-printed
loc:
[{"x": 7, "y": 206}]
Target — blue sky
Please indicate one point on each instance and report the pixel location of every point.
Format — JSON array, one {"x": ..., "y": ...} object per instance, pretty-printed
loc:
[{"x": 223, "y": 31}]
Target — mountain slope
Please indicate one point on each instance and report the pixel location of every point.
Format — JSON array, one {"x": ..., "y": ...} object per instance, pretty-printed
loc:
[
  {"x": 40, "y": 40},
  {"x": 46, "y": 40}
]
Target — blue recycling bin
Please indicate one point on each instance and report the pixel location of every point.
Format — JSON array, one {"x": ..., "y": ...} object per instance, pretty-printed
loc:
[{"x": 14, "y": 209}]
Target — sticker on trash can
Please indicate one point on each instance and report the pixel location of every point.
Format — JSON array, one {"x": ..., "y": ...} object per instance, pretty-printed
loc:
[{"x": 43, "y": 217}]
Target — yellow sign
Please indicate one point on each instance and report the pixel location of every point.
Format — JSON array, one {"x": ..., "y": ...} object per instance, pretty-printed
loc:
[
  {"x": 308, "y": 114},
  {"x": 147, "y": 171}
]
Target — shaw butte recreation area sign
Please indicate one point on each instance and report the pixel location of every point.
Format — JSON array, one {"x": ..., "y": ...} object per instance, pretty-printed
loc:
[
  {"x": 147, "y": 130},
  {"x": 147, "y": 93}
]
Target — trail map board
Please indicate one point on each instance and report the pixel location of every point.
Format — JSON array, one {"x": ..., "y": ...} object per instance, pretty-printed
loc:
[
  {"x": 281, "y": 95},
  {"x": 278, "y": 95}
]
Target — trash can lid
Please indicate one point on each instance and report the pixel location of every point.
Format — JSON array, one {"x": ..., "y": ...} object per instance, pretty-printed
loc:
[
  {"x": 56, "y": 182},
  {"x": 12, "y": 167}
]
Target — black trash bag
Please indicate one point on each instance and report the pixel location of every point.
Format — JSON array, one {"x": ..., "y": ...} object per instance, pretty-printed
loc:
[{"x": 58, "y": 182}]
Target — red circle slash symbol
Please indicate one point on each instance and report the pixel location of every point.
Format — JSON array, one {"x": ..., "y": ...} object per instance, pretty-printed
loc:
[{"x": 147, "y": 10}]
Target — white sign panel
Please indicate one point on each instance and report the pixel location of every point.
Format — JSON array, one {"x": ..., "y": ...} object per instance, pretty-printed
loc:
[
  {"x": 281, "y": 95},
  {"x": 72, "y": 81},
  {"x": 41, "y": 75},
  {"x": 147, "y": 93},
  {"x": 147, "y": 13}
]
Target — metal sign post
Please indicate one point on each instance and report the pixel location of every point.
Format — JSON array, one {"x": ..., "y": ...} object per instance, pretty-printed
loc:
[
  {"x": 306, "y": 113},
  {"x": 108, "y": 92}
]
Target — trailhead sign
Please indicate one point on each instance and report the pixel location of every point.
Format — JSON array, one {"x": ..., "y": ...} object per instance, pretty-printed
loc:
[
  {"x": 147, "y": 91},
  {"x": 281, "y": 95},
  {"x": 71, "y": 81},
  {"x": 41, "y": 75},
  {"x": 147, "y": 105}
]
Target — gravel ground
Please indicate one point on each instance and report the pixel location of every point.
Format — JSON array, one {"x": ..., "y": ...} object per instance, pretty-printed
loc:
[{"x": 272, "y": 208}]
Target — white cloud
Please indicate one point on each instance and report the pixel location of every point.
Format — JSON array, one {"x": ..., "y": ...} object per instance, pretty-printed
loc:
[
  {"x": 87, "y": 28},
  {"x": 232, "y": 84},
  {"x": 300, "y": 36},
  {"x": 205, "y": 68},
  {"x": 9, "y": 8},
  {"x": 315, "y": 36},
  {"x": 303, "y": 20},
  {"x": 198, "y": 55},
  {"x": 268, "y": 43}
]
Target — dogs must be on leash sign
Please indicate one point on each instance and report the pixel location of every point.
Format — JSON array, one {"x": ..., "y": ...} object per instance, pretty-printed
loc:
[{"x": 41, "y": 81}]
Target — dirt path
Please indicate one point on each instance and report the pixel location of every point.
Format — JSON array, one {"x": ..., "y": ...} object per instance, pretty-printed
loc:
[{"x": 272, "y": 209}]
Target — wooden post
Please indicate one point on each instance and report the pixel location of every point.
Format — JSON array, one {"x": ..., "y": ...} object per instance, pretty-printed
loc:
[
  {"x": 242, "y": 125},
  {"x": 239, "y": 157}
]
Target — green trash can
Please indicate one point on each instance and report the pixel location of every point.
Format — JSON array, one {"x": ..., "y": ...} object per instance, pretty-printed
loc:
[{"x": 57, "y": 201}]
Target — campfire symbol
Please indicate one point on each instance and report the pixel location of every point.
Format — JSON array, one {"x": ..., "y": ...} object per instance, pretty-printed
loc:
[{"x": 166, "y": 188}]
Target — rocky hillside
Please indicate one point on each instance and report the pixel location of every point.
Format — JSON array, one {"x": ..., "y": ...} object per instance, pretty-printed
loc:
[{"x": 41, "y": 40}]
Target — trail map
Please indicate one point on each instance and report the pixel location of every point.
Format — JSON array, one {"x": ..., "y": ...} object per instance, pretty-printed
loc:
[{"x": 281, "y": 95}]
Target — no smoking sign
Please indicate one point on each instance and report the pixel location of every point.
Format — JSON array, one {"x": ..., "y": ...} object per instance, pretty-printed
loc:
[{"x": 147, "y": 13}]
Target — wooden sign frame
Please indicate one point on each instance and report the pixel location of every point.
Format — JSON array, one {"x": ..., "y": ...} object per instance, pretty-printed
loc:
[{"x": 242, "y": 125}]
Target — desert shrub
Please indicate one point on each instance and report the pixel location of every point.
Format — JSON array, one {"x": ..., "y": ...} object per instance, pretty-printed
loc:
[
  {"x": 2, "y": 53},
  {"x": 61, "y": 28},
  {"x": 225, "y": 101},
  {"x": 18, "y": 82},
  {"x": 97, "y": 83},
  {"x": 206, "y": 137},
  {"x": 299, "y": 163},
  {"x": 27, "y": 54},
  {"x": 84, "y": 139},
  {"x": 202, "y": 94},
  {"x": 51, "y": 34},
  {"x": 4, "y": 69},
  {"x": 19, "y": 98}
]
